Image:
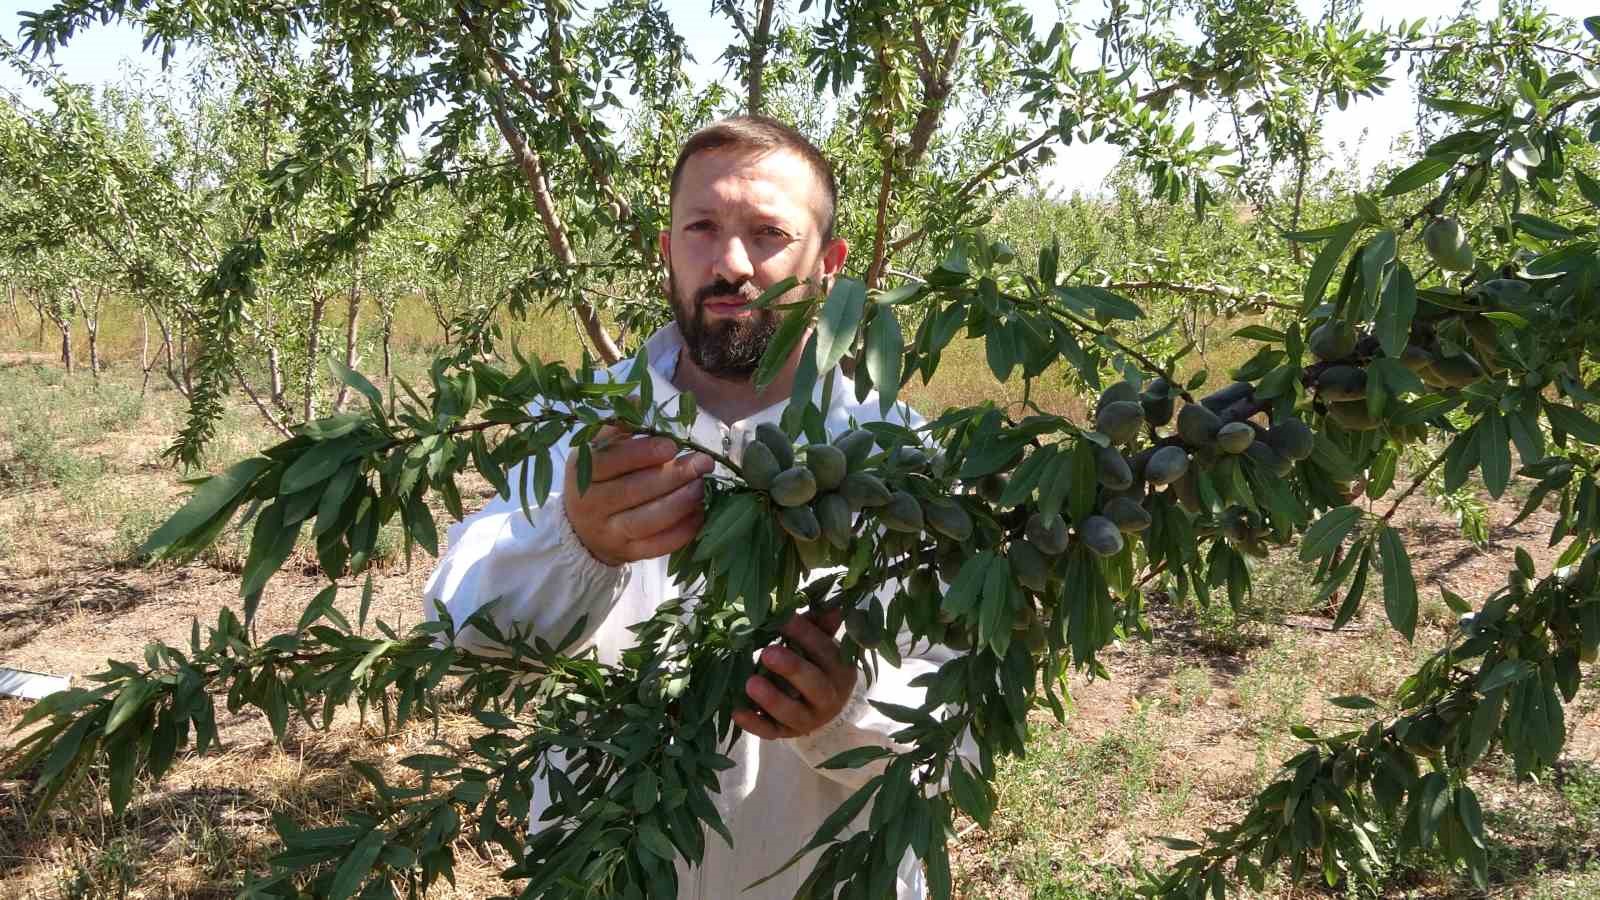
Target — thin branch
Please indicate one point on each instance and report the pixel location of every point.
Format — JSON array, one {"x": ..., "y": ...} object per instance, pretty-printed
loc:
[
  {"x": 256, "y": 399},
  {"x": 1415, "y": 483},
  {"x": 1209, "y": 290}
]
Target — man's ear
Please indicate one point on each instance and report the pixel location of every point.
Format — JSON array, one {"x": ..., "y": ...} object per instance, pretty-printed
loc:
[
  {"x": 664, "y": 240},
  {"x": 833, "y": 257}
]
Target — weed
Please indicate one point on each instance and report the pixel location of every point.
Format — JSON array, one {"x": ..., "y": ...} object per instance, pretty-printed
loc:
[
  {"x": 38, "y": 458},
  {"x": 1580, "y": 784},
  {"x": 1192, "y": 685},
  {"x": 1272, "y": 691}
]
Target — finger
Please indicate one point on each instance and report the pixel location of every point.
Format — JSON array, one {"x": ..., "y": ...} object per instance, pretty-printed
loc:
[
  {"x": 815, "y": 688},
  {"x": 829, "y": 621},
  {"x": 663, "y": 512},
  {"x": 658, "y": 511},
  {"x": 750, "y": 721},
  {"x": 625, "y": 454},
  {"x": 641, "y": 486},
  {"x": 789, "y": 713},
  {"x": 813, "y": 642},
  {"x": 672, "y": 539}
]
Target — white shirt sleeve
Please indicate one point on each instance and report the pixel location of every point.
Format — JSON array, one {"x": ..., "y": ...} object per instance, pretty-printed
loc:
[{"x": 543, "y": 577}]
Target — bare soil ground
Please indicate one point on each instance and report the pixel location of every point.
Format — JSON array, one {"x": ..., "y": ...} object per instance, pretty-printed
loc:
[{"x": 1191, "y": 723}]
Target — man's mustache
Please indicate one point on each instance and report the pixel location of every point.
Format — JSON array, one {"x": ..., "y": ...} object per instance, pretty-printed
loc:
[{"x": 744, "y": 290}]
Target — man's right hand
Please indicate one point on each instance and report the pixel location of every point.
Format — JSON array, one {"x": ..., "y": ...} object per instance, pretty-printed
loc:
[{"x": 643, "y": 499}]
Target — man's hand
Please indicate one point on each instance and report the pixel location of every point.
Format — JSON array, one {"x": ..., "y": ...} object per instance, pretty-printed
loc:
[
  {"x": 643, "y": 500},
  {"x": 816, "y": 669}
]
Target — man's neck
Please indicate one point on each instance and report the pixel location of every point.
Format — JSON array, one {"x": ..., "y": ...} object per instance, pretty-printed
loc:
[{"x": 731, "y": 400}]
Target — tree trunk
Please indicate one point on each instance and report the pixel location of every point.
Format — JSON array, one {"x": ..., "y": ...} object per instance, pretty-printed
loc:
[
  {"x": 352, "y": 329},
  {"x": 16, "y": 314},
  {"x": 91, "y": 322},
  {"x": 94, "y": 347},
  {"x": 388, "y": 331},
  {"x": 63, "y": 323},
  {"x": 308, "y": 405},
  {"x": 532, "y": 168},
  {"x": 166, "y": 347},
  {"x": 144, "y": 350},
  {"x": 275, "y": 376},
  {"x": 758, "y": 57}
]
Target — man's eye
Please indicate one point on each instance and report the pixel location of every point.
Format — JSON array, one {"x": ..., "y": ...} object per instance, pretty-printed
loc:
[
  {"x": 773, "y": 232},
  {"x": 699, "y": 226}
]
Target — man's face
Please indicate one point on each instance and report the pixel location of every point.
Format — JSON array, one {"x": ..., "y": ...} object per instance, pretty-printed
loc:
[{"x": 742, "y": 221}]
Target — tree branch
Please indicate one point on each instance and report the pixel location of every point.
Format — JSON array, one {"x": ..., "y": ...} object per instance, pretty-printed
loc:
[
  {"x": 1208, "y": 290},
  {"x": 759, "y": 43}
]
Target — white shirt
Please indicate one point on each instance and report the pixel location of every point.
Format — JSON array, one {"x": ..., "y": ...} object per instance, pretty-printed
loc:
[{"x": 774, "y": 796}]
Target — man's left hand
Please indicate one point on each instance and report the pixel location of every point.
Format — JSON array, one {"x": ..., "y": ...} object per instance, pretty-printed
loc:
[{"x": 820, "y": 674}]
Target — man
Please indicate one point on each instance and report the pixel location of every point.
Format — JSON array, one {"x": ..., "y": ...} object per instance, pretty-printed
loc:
[{"x": 752, "y": 204}]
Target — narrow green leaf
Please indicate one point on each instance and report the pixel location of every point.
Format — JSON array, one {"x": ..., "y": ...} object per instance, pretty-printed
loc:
[
  {"x": 1419, "y": 174},
  {"x": 1323, "y": 537},
  {"x": 1327, "y": 260},
  {"x": 1399, "y": 584},
  {"x": 1399, "y": 306},
  {"x": 782, "y": 344},
  {"x": 1573, "y": 422},
  {"x": 212, "y": 497},
  {"x": 841, "y": 316},
  {"x": 1494, "y": 452},
  {"x": 885, "y": 347},
  {"x": 355, "y": 868}
]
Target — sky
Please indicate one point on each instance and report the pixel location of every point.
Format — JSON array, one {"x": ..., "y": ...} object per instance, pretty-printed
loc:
[{"x": 1365, "y": 132}]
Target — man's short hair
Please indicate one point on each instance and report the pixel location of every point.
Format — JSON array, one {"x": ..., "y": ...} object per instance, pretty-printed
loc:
[{"x": 763, "y": 133}]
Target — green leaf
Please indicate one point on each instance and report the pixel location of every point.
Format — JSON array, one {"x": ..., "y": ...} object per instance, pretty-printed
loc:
[
  {"x": 1484, "y": 723},
  {"x": 316, "y": 465},
  {"x": 771, "y": 294},
  {"x": 1506, "y": 673},
  {"x": 885, "y": 347},
  {"x": 130, "y": 700},
  {"x": 1399, "y": 584},
  {"x": 1573, "y": 422},
  {"x": 1354, "y": 702},
  {"x": 356, "y": 866},
  {"x": 1419, "y": 174},
  {"x": 1325, "y": 536},
  {"x": 1494, "y": 451},
  {"x": 270, "y": 545},
  {"x": 652, "y": 838},
  {"x": 1327, "y": 260},
  {"x": 1543, "y": 228},
  {"x": 856, "y": 757},
  {"x": 1358, "y": 587},
  {"x": 1375, "y": 259},
  {"x": 211, "y": 498},
  {"x": 1434, "y": 800},
  {"x": 1588, "y": 187},
  {"x": 1393, "y": 322},
  {"x": 358, "y": 381},
  {"x": 1259, "y": 333},
  {"x": 841, "y": 316},
  {"x": 782, "y": 344}
]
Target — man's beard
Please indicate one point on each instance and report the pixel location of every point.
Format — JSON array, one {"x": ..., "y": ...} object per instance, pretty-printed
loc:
[{"x": 729, "y": 349}]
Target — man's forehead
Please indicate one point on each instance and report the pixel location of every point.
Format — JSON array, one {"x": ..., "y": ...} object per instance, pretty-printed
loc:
[{"x": 766, "y": 181}]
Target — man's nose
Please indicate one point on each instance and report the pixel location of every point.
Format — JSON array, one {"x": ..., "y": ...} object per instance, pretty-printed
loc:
[{"x": 733, "y": 261}]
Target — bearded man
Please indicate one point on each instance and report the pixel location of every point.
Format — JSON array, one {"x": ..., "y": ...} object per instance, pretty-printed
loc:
[{"x": 753, "y": 203}]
